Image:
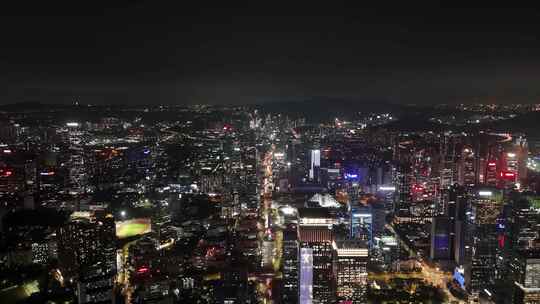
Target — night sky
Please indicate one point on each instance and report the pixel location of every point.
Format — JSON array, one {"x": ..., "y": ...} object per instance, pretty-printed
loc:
[{"x": 145, "y": 53}]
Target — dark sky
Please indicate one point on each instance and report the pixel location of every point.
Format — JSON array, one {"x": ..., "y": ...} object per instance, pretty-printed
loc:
[{"x": 148, "y": 52}]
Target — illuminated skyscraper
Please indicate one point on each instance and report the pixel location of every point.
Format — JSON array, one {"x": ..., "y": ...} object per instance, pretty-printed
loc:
[
  {"x": 316, "y": 237},
  {"x": 403, "y": 180},
  {"x": 361, "y": 222},
  {"x": 350, "y": 263},
  {"x": 306, "y": 276},
  {"x": 482, "y": 244},
  {"x": 85, "y": 241},
  {"x": 290, "y": 266},
  {"x": 528, "y": 279},
  {"x": 441, "y": 245},
  {"x": 315, "y": 164},
  {"x": 525, "y": 262},
  {"x": 447, "y": 173},
  {"x": 466, "y": 172}
]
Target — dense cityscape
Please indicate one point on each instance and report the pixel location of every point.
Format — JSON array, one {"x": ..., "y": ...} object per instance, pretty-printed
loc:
[
  {"x": 268, "y": 152},
  {"x": 252, "y": 204}
]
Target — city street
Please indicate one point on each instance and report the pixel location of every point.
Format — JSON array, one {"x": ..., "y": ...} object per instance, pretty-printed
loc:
[
  {"x": 270, "y": 244},
  {"x": 430, "y": 273}
]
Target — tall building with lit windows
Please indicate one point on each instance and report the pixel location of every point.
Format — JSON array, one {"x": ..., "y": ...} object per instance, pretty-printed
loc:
[
  {"x": 441, "y": 238},
  {"x": 315, "y": 238},
  {"x": 466, "y": 168},
  {"x": 95, "y": 285},
  {"x": 350, "y": 264},
  {"x": 361, "y": 222},
  {"x": 527, "y": 279},
  {"x": 306, "y": 276},
  {"x": 524, "y": 264},
  {"x": 483, "y": 246},
  {"x": 290, "y": 266},
  {"x": 403, "y": 180},
  {"x": 77, "y": 173},
  {"x": 315, "y": 167},
  {"x": 86, "y": 240}
]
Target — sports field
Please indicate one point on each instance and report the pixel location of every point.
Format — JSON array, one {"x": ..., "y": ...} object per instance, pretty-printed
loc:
[{"x": 132, "y": 227}]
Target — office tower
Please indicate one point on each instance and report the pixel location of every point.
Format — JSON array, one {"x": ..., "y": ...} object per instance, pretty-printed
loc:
[
  {"x": 522, "y": 151},
  {"x": 447, "y": 172},
  {"x": 315, "y": 237},
  {"x": 212, "y": 183},
  {"x": 441, "y": 243},
  {"x": 453, "y": 206},
  {"x": 482, "y": 247},
  {"x": 456, "y": 211},
  {"x": 491, "y": 175},
  {"x": 306, "y": 276},
  {"x": 290, "y": 266},
  {"x": 41, "y": 253},
  {"x": 361, "y": 218},
  {"x": 466, "y": 172},
  {"x": 483, "y": 259},
  {"x": 524, "y": 264},
  {"x": 315, "y": 165},
  {"x": 353, "y": 189},
  {"x": 511, "y": 158},
  {"x": 77, "y": 173},
  {"x": 390, "y": 251},
  {"x": 403, "y": 181},
  {"x": 379, "y": 218},
  {"x": 525, "y": 220},
  {"x": 526, "y": 270},
  {"x": 317, "y": 217},
  {"x": 350, "y": 264}
]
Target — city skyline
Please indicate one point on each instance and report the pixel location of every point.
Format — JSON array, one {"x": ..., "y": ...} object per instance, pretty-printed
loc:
[{"x": 269, "y": 153}]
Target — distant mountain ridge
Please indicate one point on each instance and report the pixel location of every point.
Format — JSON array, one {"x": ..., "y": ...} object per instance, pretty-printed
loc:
[{"x": 31, "y": 106}]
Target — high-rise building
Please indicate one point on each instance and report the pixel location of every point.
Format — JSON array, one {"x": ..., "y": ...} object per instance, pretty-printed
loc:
[
  {"x": 315, "y": 164},
  {"x": 85, "y": 241},
  {"x": 482, "y": 242},
  {"x": 441, "y": 243},
  {"x": 290, "y": 266},
  {"x": 466, "y": 172},
  {"x": 350, "y": 263},
  {"x": 361, "y": 222},
  {"x": 527, "y": 280},
  {"x": 456, "y": 211},
  {"x": 524, "y": 264},
  {"x": 306, "y": 276},
  {"x": 316, "y": 237},
  {"x": 491, "y": 169},
  {"x": 447, "y": 172},
  {"x": 95, "y": 284},
  {"x": 453, "y": 207},
  {"x": 379, "y": 219},
  {"x": 390, "y": 251},
  {"x": 403, "y": 182}
]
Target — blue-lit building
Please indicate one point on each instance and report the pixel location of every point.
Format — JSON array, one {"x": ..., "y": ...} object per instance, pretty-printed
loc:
[
  {"x": 306, "y": 276},
  {"x": 361, "y": 222},
  {"x": 441, "y": 245}
]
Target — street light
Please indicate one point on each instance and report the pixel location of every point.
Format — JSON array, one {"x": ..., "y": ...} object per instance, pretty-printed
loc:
[{"x": 123, "y": 213}]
